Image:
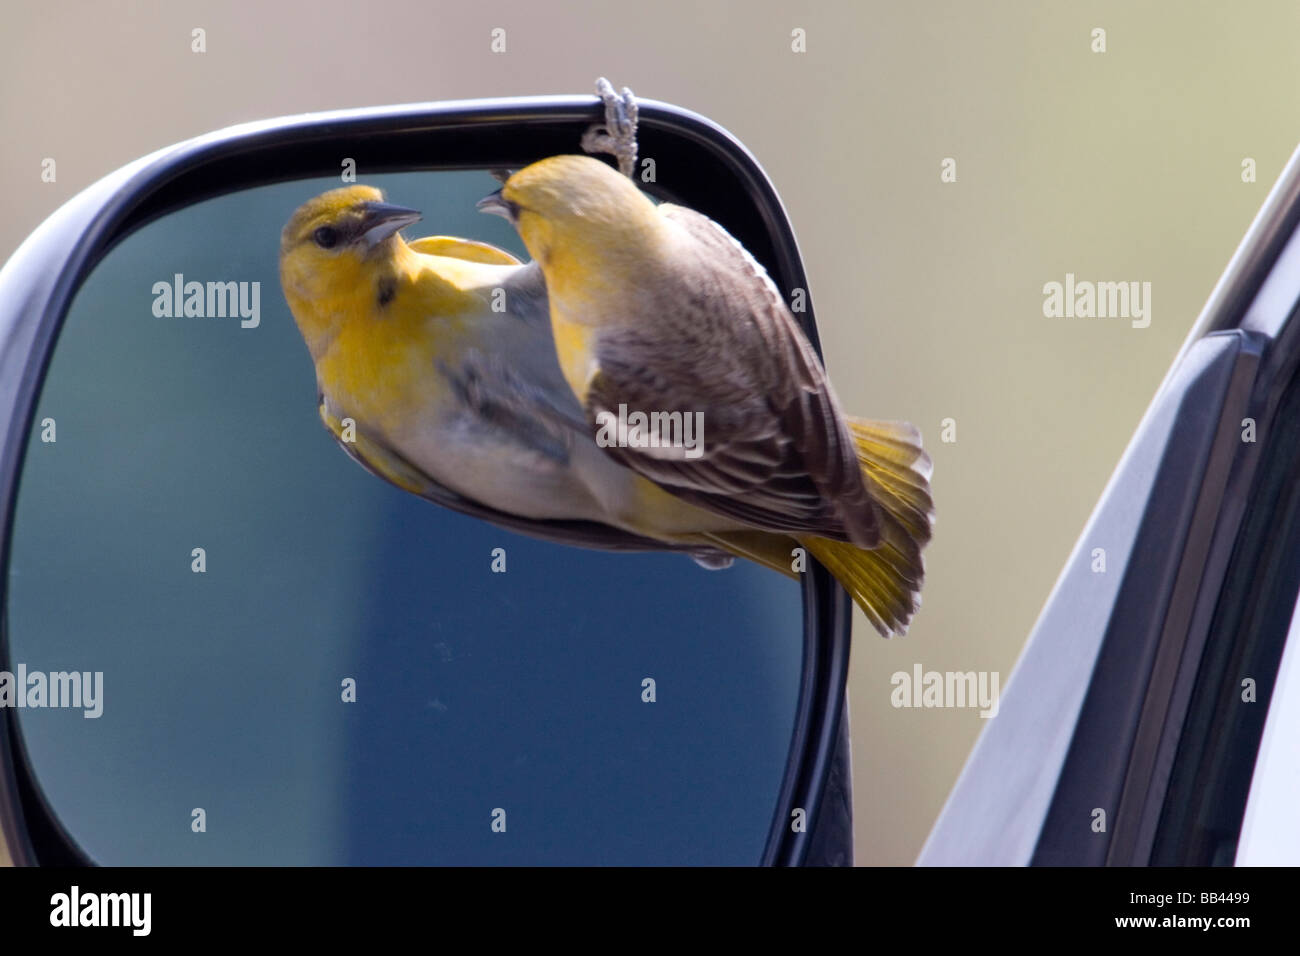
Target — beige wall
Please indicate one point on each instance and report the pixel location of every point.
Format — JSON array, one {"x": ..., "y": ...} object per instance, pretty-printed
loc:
[{"x": 1117, "y": 166}]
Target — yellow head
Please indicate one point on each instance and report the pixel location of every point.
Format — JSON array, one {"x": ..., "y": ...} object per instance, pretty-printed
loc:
[
  {"x": 576, "y": 215},
  {"x": 338, "y": 252}
]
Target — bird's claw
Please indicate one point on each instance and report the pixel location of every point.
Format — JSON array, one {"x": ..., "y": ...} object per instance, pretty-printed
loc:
[{"x": 617, "y": 135}]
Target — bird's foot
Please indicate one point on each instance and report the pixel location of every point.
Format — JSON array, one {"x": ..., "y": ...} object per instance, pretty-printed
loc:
[
  {"x": 617, "y": 135},
  {"x": 712, "y": 559}
]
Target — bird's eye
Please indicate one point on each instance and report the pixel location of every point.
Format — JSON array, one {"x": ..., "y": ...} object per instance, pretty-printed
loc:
[{"x": 326, "y": 237}]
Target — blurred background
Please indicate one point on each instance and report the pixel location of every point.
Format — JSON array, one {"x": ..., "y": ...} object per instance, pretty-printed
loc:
[{"x": 1125, "y": 165}]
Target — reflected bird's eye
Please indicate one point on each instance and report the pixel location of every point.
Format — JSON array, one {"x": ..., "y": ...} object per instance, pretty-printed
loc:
[{"x": 326, "y": 237}]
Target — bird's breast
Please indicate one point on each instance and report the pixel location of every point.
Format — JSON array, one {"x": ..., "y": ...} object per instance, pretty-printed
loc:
[{"x": 574, "y": 346}]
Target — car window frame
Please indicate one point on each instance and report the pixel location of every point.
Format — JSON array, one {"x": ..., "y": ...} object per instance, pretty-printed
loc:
[{"x": 1039, "y": 773}]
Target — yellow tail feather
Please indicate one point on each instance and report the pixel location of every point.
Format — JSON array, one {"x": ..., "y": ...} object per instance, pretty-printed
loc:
[
  {"x": 885, "y": 581},
  {"x": 897, "y": 470},
  {"x": 876, "y": 580}
]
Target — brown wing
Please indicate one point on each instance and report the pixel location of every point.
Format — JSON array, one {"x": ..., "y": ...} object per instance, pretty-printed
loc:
[{"x": 776, "y": 452}]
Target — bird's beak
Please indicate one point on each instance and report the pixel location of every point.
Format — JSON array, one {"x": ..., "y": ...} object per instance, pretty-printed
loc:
[
  {"x": 499, "y": 205},
  {"x": 380, "y": 220}
]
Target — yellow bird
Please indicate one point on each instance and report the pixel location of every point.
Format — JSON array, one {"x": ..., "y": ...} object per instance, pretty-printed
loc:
[
  {"x": 435, "y": 370},
  {"x": 658, "y": 310}
]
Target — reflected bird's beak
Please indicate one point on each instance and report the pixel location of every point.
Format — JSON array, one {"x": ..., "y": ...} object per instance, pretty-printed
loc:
[{"x": 381, "y": 220}]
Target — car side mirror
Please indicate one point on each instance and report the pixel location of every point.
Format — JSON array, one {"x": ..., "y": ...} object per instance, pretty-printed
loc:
[{"x": 293, "y": 662}]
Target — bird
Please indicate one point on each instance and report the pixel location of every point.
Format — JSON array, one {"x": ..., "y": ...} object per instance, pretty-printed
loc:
[
  {"x": 436, "y": 371},
  {"x": 658, "y": 309}
]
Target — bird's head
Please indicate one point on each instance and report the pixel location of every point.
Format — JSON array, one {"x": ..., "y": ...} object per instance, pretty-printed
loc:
[
  {"x": 574, "y": 208},
  {"x": 338, "y": 246},
  {"x": 347, "y": 225}
]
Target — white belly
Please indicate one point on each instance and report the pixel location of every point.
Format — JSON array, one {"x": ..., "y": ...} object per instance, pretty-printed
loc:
[{"x": 589, "y": 486}]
